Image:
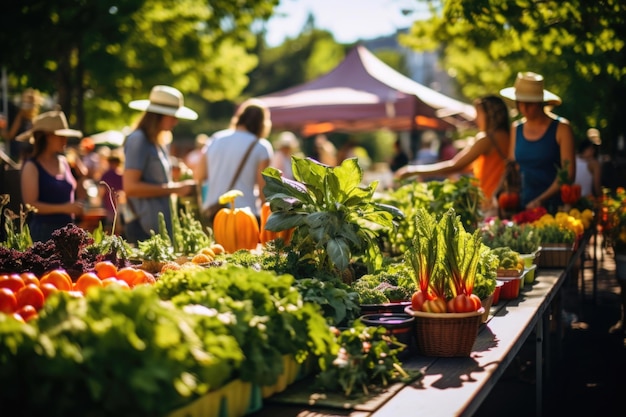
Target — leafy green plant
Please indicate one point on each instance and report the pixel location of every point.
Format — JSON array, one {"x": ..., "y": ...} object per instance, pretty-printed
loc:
[
  {"x": 335, "y": 218},
  {"x": 367, "y": 356},
  {"x": 445, "y": 259},
  {"x": 270, "y": 316},
  {"x": 114, "y": 352},
  {"x": 393, "y": 283},
  {"x": 337, "y": 300},
  {"x": 156, "y": 248},
  {"x": 462, "y": 194},
  {"x": 112, "y": 247},
  {"x": 17, "y": 236},
  {"x": 522, "y": 238},
  {"x": 191, "y": 235},
  {"x": 485, "y": 282}
]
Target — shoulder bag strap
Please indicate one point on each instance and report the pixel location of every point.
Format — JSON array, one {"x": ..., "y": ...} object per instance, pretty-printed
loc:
[{"x": 243, "y": 161}]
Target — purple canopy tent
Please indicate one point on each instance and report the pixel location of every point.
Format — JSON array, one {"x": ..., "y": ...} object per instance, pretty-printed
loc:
[{"x": 363, "y": 94}]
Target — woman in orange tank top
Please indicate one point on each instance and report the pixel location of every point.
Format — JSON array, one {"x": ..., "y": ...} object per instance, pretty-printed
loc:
[{"x": 486, "y": 155}]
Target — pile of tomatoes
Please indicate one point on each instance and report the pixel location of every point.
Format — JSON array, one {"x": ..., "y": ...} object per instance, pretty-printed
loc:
[{"x": 24, "y": 294}]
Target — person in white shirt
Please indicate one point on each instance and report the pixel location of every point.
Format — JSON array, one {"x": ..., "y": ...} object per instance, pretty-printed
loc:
[
  {"x": 588, "y": 170},
  {"x": 286, "y": 145}
]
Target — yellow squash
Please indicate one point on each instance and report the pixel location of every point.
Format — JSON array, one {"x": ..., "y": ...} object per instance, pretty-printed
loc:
[{"x": 235, "y": 228}]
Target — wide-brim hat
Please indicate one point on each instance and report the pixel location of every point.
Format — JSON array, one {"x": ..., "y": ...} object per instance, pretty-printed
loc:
[
  {"x": 50, "y": 122},
  {"x": 593, "y": 135},
  {"x": 528, "y": 88},
  {"x": 165, "y": 100},
  {"x": 287, "y": 139}
]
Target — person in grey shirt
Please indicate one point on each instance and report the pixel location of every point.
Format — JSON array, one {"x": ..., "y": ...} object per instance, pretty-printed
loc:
[{"x": 147, "y": 177}]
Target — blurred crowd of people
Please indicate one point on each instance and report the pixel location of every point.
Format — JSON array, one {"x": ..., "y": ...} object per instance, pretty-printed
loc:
[{"x": 139, "y": 177}]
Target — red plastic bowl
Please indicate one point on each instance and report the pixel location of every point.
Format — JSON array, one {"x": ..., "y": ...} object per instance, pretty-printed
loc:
[
  {"x": 510, "y": 288},
  {"x": 496, "y": 292}
]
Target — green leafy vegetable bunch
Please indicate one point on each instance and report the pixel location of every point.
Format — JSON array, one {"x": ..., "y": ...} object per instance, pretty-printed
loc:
[{"x": 334, "y": 215}]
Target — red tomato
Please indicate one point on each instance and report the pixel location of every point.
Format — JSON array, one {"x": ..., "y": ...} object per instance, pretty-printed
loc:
[
  {"x": 13, "y": 282},
  {"x": 8, "y": 303},
  {"x": 29, "y": 278},
  {"x": 27, "y": 312},
  {"x": 48, "y": 288},
  {"x": 417, "y": 300},
  {"x": 30, "y": 295},
  {"x": 570, "y": 193},
  {"x": 508, "y": 200}
]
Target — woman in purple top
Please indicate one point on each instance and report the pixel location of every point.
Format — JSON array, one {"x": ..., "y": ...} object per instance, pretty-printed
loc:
[{"x": 47, "y": 181}]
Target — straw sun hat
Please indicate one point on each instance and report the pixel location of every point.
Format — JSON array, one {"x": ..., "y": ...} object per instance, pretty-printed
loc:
[
  {"x": 528, "y": 88},
  {"x": 165, "y": 100},
  {"x": 50, "y": 122}
]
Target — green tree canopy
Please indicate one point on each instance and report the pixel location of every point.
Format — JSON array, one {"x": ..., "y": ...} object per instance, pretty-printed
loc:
[
  {"x": 96, "y": 56},
  {"x": 577, "y": 45}
]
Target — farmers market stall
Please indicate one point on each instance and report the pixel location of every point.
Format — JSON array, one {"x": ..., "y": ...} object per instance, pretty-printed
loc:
[
  {"x": 458, "y": 386},
  {"x": 269, "y": 325}
]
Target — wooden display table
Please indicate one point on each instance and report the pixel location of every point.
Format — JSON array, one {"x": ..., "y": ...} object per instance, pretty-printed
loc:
[{"x": 458, "y": 386}]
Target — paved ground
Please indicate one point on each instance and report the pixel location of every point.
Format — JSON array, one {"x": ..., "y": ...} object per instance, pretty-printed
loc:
[{"x": 589, "y": 371}]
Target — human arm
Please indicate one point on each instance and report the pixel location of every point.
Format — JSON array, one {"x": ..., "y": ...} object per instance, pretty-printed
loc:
[
  {"x": 30, "y": 194},
  {"x": 200, "y": 170},
  {"x": 14, "y": 130},
  {"x": 596, "y": 174},
  {"x": 458, "y": 163},
  {"x": 135, "y": 187}
]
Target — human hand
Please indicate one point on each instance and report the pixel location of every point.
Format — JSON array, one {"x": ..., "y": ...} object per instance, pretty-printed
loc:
[
  {"x": 533, "y": 204},
  {"x": 402, "y": 173},
  {"x": 75, "y": 208},
  {"x": 184, "y": 188}
]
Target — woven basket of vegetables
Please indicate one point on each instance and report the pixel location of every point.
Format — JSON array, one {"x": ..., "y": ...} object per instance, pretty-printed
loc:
[
  {"x": 445, "y": 259},
  {"x": 446, "y": 334}
]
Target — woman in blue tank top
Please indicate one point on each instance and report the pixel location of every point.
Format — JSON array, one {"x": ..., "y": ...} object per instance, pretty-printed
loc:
[
  {"x": 541, "y": 143},
  {"x": 47, "y": 182}
]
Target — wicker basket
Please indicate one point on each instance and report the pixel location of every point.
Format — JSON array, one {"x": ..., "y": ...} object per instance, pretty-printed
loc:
[
  {"x": 555, "y": 255},
  {"x": 446, "y": 334},
  {"x": 487, "y": 302}
]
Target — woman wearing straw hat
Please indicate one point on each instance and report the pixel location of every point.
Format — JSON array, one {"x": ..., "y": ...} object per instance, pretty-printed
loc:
[
  {"x": 147, "y": 174},
  {"x": 541, "y": 142},
  {"x": 47, "y": 181}
]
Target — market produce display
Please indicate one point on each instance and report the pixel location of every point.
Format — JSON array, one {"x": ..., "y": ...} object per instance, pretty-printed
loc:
[{"x": 100, "y": 323}]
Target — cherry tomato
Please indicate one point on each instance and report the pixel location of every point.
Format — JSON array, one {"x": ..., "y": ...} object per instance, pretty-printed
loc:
[
  {"x": 48, "y": 288},
  {"x": 27, "y": 312},
  {"x": 30, "y": 295},
  {"x": 8, "y": 303},
  {"x": 13, "y": 282},
  {"x": 29, "y": 278}
]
